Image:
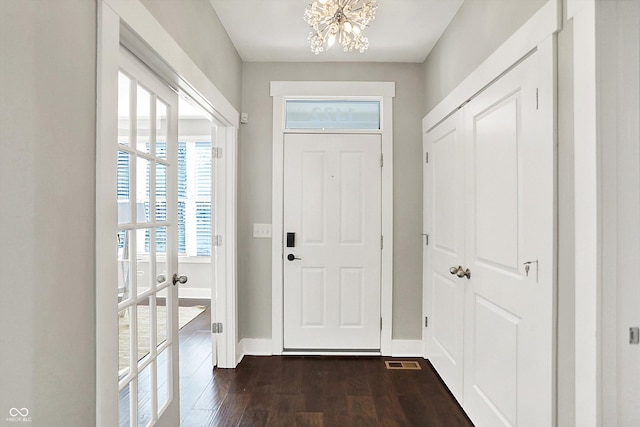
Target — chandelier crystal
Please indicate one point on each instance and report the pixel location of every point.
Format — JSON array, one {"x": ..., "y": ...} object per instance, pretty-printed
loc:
[{"x": 339, "y": 20}]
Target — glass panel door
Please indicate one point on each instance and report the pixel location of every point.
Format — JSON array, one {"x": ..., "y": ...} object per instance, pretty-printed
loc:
[{"x": 146, "y": 248}]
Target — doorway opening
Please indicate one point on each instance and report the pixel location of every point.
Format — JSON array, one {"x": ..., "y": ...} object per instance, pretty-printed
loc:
[
  {"x": 165, "y": 202},
  {"x": 324, "y": 109}
]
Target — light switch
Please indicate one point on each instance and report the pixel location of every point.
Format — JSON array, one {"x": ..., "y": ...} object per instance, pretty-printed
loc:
[{"x": 262, "y": 231}]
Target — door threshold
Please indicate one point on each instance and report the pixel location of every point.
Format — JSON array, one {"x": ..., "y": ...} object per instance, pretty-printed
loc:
[{"x": 317, "y": 352}]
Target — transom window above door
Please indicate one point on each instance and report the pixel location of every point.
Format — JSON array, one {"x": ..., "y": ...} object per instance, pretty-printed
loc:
[{"x": 332, "y": 114}]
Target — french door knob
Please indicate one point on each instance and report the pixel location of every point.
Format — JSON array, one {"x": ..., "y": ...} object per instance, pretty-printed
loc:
[
  {"x": 454, "y": 270},
  {"x": 181, "y": 279}
]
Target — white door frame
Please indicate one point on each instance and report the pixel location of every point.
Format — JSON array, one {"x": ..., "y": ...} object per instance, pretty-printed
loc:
[
  {"x": 283, "y": 90},
  {"x": 144, "y": 34}
]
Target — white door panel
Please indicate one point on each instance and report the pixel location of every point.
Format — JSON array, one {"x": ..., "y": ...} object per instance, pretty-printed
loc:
[
  {"x": 509, "y": 221},
  {"x": 444, "y": 223},
  {"x": 333, "y": 205}
]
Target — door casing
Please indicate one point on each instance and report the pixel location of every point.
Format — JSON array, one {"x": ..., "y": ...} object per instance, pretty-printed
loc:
[
  {"x": 129, "y": 23},
  {"x": 283, "y": 90}
]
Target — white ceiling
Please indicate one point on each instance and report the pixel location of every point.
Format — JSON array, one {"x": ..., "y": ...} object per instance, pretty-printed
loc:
[{"x": 275, "y": 31}]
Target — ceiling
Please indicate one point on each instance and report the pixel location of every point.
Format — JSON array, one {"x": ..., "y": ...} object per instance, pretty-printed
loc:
[{"x": 275, "y": 31}]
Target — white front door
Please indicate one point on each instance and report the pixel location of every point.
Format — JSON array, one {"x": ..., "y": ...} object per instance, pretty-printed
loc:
[
  {"x": 509, "y": 250},
  {"x": 332, "y": 242},
  {"x": 147, "y": 248},
  {"x": 444, "y": 220}
]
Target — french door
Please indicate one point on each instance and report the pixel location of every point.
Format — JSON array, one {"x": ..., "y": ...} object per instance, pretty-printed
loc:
[
  {"x": 332, "y": 221},
  {"x": 147, "y": 248}
]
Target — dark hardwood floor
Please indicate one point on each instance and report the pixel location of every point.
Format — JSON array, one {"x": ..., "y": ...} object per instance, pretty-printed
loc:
[{"x": 307, "y": 391}]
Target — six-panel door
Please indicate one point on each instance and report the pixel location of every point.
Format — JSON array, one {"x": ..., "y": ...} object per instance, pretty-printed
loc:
[{"x": 332, "y": 192}]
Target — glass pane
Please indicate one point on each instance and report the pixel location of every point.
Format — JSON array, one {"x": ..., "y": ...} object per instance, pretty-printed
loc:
[
  {"x": 143, "y": 322},
  {"x": 123, "y": 170},
  {"x": 162, "y": 313},
  {"x": 144, "y": 119},
  {"x": 143, "y": 266},
  {"x": 124, "y": 343},
  {"x": 163, "y": 376},
  {"x": 307, "y": 114},
  {"x": 124, "y": 407},
  {"x": 143, "y": 192},
  {"x": 182, "y": 236},
  {"x": 124, "y": 120},
  {"x": 161, "y": 129},
  {"x": 161, "y": 192},
  {"x": 203, "y": 198},
  {"x": 161, "y": 255},
  {"x": 144, "y": 397},
  {"x": 124, "y": 265}
]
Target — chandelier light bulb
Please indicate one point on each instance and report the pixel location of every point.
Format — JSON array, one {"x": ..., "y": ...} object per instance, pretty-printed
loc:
[{"x": 341, "y": 20}]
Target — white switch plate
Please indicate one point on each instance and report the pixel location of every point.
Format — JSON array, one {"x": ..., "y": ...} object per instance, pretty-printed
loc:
[{"x": 262, "y": 231}]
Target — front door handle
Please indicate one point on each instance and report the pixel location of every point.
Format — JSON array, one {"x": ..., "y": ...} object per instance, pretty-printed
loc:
[{"x": 292, "y": 257}]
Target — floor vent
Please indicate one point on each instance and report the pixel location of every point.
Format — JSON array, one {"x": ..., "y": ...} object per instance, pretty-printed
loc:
[{"x": 402, "y": 364}]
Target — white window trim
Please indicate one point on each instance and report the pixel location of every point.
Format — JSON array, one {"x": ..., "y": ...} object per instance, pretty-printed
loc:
[
  {"x": 170, "y": 57},
  {"x": 283, "y": 90}
]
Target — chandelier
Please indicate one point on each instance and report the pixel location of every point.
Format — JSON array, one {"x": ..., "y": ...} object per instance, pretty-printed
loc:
[{"x": 341, "y": 21}]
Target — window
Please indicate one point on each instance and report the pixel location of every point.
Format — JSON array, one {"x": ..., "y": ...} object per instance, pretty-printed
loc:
[
  {"x": 194, "y": 198},
  {"x": 324, "y": 114}
]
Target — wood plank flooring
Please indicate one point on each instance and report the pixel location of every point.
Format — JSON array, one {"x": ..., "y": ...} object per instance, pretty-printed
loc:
[{"x": 307, "y": 391}]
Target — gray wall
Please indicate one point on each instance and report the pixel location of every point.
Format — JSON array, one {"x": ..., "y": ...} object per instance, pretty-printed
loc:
[
  {"x": 194, "y": 25},
  {"x": 254, "y": 187},
  {"x": 477, "y": 30},
  {"x": 47, "y": 214}
]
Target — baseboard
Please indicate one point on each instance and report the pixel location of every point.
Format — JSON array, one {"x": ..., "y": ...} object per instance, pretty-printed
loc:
[
  {"x": 255, "y": 347},
  {"x": 263, "y": 347},
  {"x": 406, "y": 348},
  {"x": 196, "y": 293}
]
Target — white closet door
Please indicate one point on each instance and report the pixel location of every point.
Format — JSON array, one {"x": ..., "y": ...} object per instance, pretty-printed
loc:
[
  {"x": 509, "y": 212},
  {"x": 444, "y": 224}
]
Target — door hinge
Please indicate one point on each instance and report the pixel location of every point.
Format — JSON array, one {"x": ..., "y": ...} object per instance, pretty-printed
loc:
[
  {"x": 381, "y": 242},
  {"x": 537, "y": 100},
  {"x": 426, "y": 157},
  {"x": 216, "y": 240},
  {"x": 634, "y": 335},
  {"x": 381, "y": 323},
  {"x": 216, "y": 152},
  {"x": 381, "y": 160},
  {"x": 216, "y": 328},
  {"x": 426, "y": 239},
  {"x": 426, "y": 322}
]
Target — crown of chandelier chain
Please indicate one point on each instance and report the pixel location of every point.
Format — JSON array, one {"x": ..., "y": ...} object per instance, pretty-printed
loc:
[{"x": 341, "y": 21}]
